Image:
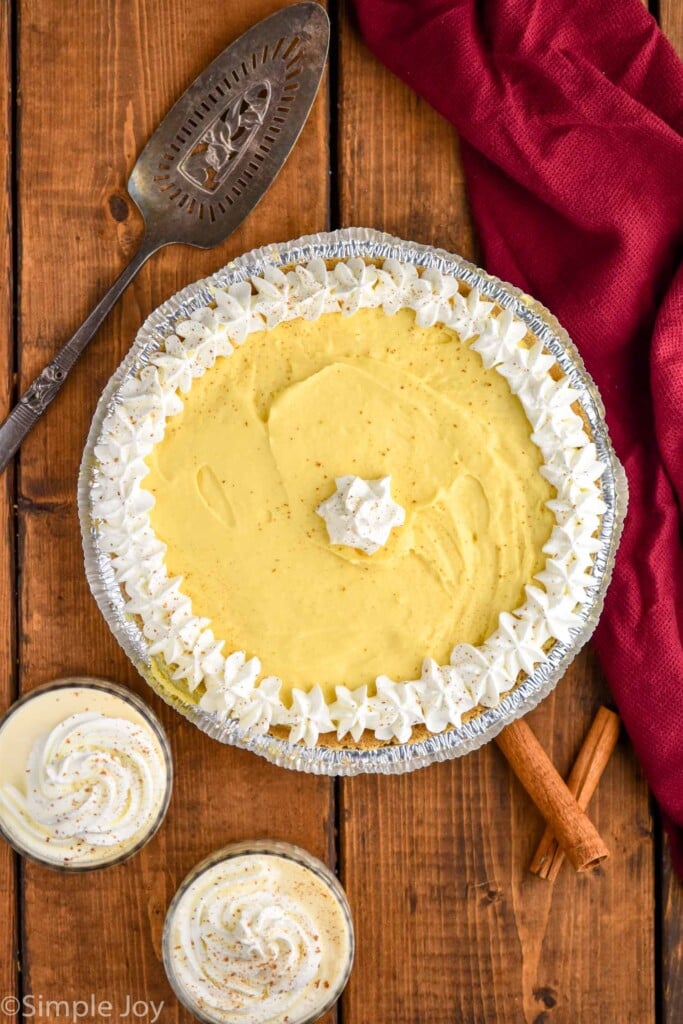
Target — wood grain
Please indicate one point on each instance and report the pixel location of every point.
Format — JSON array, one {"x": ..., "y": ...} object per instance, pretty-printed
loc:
[
  {"x": 671, "y": 901},
  {"x": 451, "y": 927},
  {"x": 9, "y": 938},
  {"x": 80, "y": 134},
  {"x": 671, "y": 23}
]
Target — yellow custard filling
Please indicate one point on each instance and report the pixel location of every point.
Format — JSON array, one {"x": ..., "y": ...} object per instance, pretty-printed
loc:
[{"x": 242, "y": 469}]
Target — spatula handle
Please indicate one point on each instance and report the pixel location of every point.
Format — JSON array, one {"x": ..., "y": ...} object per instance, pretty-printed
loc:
[{"x": 49, "y": 381}]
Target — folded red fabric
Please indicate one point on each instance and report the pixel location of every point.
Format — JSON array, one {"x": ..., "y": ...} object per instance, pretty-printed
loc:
[{"x": 570, "y": 114}]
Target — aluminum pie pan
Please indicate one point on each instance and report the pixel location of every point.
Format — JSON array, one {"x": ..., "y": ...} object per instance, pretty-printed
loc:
[{"x": 338, "y": 760}]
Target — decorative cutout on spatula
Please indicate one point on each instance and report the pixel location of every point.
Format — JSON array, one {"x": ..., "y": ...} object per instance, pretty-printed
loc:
[{"x": 223, "y": 143}]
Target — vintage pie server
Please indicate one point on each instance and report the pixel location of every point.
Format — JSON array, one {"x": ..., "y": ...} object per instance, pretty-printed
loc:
[{"x": 207, "y": 165}]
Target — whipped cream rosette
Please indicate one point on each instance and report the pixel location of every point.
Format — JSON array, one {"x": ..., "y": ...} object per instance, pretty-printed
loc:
[
  {"x": 447, "y": 705},
  {"x": 361, "y": 513}
]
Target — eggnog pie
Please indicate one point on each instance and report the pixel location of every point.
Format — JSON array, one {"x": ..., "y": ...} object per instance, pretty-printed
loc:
[{"x": 349, "y": 502}]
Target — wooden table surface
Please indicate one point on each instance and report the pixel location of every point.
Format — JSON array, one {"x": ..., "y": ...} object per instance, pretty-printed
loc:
[{"x": 451, "y": 928}]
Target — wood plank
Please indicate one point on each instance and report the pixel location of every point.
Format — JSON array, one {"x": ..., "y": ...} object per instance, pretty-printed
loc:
[
  {"x": 79, "y": 140},
  {"x": 9, "y": 938},
  {"x": 671, "y": 23},
  {"x": 450, "y": 924},
  {"x": 671, "y": 901}
]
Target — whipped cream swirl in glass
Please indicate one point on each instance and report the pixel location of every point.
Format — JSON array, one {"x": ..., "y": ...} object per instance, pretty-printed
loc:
[
  {"x": 258, "y": 934},
  {"x": 91, "y": 780}
]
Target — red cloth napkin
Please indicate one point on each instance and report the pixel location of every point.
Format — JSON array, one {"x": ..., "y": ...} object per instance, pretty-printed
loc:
[{"x": 570, "y": 114}]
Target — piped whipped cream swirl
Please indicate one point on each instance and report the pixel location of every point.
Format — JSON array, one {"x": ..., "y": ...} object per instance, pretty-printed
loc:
[
  {"x": 258, "y": 939},
  {"x": 92, "y": 781},
  {"x": 361, "y": 513}
]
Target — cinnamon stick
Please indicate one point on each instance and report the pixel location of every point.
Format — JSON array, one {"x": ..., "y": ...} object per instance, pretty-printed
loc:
[
  {"x": 585, "y": 774},
  {"x": 575, "y": 832}
]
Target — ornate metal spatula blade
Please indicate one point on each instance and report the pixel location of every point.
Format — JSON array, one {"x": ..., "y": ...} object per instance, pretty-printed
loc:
[
  {"x": 219, "y": 148},
  {"x": 207, "y": 165}
]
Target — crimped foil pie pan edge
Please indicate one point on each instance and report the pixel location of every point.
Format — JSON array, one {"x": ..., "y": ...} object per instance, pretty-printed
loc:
[{"x": 398, "y": 758}]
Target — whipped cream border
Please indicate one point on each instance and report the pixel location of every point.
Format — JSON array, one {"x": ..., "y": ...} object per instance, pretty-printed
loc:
[{"x": 557, "y": 603}]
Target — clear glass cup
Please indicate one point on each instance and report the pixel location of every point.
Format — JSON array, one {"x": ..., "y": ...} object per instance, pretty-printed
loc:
[
  {"x": 257, "y": 929},
  {"x": 119, "y": 702}
]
